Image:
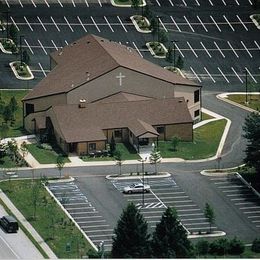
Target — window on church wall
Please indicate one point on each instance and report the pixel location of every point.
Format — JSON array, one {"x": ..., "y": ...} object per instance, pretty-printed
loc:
[
  {"x": 160, "y": 129},
  {"x": 92, "y": 147},
  {"x": 29, "y": 108},
  {"x": 196, "y": 113},
  {"x": 118, "y": 133},
  {"x": 196, "y": 96}
]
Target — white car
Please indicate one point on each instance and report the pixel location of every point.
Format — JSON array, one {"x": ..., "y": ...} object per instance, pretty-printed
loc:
[{"x": 136, "y": 188}]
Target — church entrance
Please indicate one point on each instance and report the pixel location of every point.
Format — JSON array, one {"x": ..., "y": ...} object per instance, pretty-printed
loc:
[{"x": 143, "y": 141}]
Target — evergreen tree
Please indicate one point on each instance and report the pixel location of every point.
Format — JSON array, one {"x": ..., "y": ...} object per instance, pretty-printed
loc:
[
  {"x": 60, "y": 163},
  {"x": 4, "y": 129},
  {"x": 252, "y": 134},
  {"x": 13, "y": 104},
  {"x": 154, "y": 27},
  {"x": 163, "y": 36},
  {"x": 169, "y": 55},
  {"x": 131, "y": 239},
  {"x": 210, "y": 215},
  {"x": 26, "y": 57},
  {"x": 118, "y": 158},
  {"x": 147, "y": 12},
  {"x": 155, "y": 158},
  {"x": 170, "y": 238},
  {"x": 7, "y": 114},
  {"x": 112, "y": 145},
  {"x": 174, "y": 142},
  {"x": 135, "y": 4},
  {"x": 179, "y": 63},
  {"x": 13, "y": 33}
]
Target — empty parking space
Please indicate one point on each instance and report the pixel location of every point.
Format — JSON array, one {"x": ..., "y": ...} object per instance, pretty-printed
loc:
[
  {"x": 166, "y": 193},
  {"x": 83, "y": 212},
  {"x": 241, "y": 196}
]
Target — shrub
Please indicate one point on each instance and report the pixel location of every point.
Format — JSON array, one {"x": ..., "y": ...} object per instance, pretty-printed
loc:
[
  {"x": 236, "y": 247},
  {"x": 202, "y": 247},
  {"x": 219, "y": 246},
  {"x": 256, "y": 245}
]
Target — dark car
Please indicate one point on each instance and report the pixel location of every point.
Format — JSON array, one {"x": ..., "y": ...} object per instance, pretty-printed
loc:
[{"x": 9, "y": 224}]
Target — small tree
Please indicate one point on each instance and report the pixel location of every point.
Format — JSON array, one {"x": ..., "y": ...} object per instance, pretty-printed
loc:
[
  {"x": 135, "y": 4},
  {"x": 154, "y": 27},
  {"x": 155, "y": 158},
  {"x": 210, "y": 215},
  {"x": 147, "y": 12},
  {"x": 180, "y": 63},
  {"x": 131, "y": 239},
  {"x": 7, "y": 114},
  {"x": 170, "y": 238},
  {"x": 256, "y": 245},
  {"x": 13, "y": 33},
  {"x": 24, "y": 148},
  {"x": 36, "y": 185},
  {"x": 163, "y": 36},
  {"x": 175, "y": 140},
  {"x": 12, "y": 149},
  {"x": 112, "y": 145},
  {"x": 26, "y": 57},
  {"x": 60, "y": 163},
  {"x": 13, "y": 104},
  {"x": 169, "y": 55},
  {"x": 4, "y": 130},
  {"x": 118, "y": 158}
]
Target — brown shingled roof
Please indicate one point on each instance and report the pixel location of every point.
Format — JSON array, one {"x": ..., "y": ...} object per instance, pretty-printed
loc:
[
  {"x": 89, "y": 58},
  {"x": 85, "y": 124}
]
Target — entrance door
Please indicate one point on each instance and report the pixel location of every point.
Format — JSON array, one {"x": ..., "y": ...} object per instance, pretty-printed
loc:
[{"x": 143, "y": 141}]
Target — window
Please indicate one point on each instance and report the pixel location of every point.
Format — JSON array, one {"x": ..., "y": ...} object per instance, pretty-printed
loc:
[
  {"x": 29, "y": 108},
  {"x": 92, "y": 146},
  {"x": 160, "y": 129},
  {"x": 196, "y": 96},
  {"x": 196, "y": 113},
  {"x": 118, "y": 133}
]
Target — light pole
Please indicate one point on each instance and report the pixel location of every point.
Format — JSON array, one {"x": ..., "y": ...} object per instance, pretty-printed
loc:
[
  {"x": 174, "y": 52},
  {"x": 143, "y": 161},
  {"x": 158, "y": 17},
  {"x": 246, "y": 87},
  {"x": 21, "y": 54}
]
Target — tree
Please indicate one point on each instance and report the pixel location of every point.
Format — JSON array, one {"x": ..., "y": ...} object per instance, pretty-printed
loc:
[
  {"x": 118, "y": 158},
  {"x": 135, "y": 4},
  {"x": 169, "y": 55},
  {"x": 174, "y": 142},
  {"x": 7, "y": 114},
  {"x": 13, "y": 104},
  {"x": 4, "y": 129},
  {"x": 210, "y": 215},
  {"x": 252, "y": 134},
  {"x": 170, "y": 238},
  {"x": 112, "y": 145},
  {"x": 35, "y": 196},
  {"x": 163, "y": 36},
  {"x": 154, "y": 27},
  {"x": 131, "y": 239},
  {"x": 24, "y": 148},
  {"x": 60, "y": 163},
  {"x": 179, "y": 63},
  {"x": 147, "y": 12},
  {"x": 13, "y": 33},
  {"x": 12, "y": 149},
  {"x": 155, "y": 158},
  {"x": 26, "y": 57}
]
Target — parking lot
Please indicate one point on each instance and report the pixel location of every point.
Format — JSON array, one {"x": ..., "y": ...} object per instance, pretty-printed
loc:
[
  {"x": 241, "y": 196},
  {"x": 216, "y": 39}
]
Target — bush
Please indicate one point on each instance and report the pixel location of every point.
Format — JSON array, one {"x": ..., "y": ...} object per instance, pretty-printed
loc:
[
  {"x": 236, "y": 247},
  {"x": 219, "y": 246},
  {"x": 202, "y": 247},
  {"x": 256, "y": 245}
]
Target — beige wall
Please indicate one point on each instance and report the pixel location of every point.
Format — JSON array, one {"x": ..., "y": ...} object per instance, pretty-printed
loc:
[
  {"x": 82, "y": 148},
  {"x": 108, "y": 133},
  {"x": 29, "y": 123},
  {"x": 184, "y": 131}
]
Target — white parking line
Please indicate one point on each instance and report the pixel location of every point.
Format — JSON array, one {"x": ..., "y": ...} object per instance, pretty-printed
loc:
[
  {"x": 224, "y": 2},
  {"x": 209, "y": 75},
  {"x": 211, "y": 2},
  {"x": 87, "y": 3},
  {"x": 191, "y": 214},
  {"x": 242, "y": 22},
  {"x": 92, "y": 221},
  {"x": 28, "y": 23},
  {"x": 202, "y": 24},
  {"x": 33, "y": 3},
  {"x": 250, "y": 55},
  {"x": 42, "y": 47},
  {"x": 237, "y": 199},
  {"x": 205, "y": 49},
  {"x": 60, "y": 3},
  {"x": 232, "y": 28},
  {"x": 250, "y": 2},
  {"x": 171, "y": 2},
  {"x": 195, "y": 224},
  {"x": 73, "y": 3},
  {"x": 94, "y": 226},
  {"x": 198, "y": 228},
  {"x": 94, "y": 23},
  {"x": 197, "y": 2},
  {"x": 7, "y": 3},
  {"x": 44, "y": 28},
  {"x": 158, "y": 2},
  {"x": 183, "y": 210},
  {"x": 66, "y": 42},
  {"x": 108, "y": 24},
  {"x": 42, "y": 69},
  {"x": 184, "y": 2},
  {"x": 232, "y": 49},
  {"x": 29, "y": 47},
  {"x": 192, "y": 50},
  {"x": 121, "y": 23},
  {"x": 195, "y": 74},
  {"x": 20, "y": 3},
  {"x": 188, "y": 23},
  {"x": 184, "y": 206},
  {"x": 257, "y": 45},
  {"x": 100, "y": 230},
  {"x": 250, "y": 74},
  {"x": 215, "y": 23},
  {"x": 256, "y": 221},
  {"x": 46, "y": 3},
  {"x": 87, "y": 217},
  {"x": 165, "y": 29},
  {"x": 177, "y": 47},
  {"x": 100, "y": 3},
  {"x": 219, "y": 50},
  {"x": 68, "y": 23},
  {"x": 56, "y": 50},
  {"x": 81, "y": 24},
  {"x": 176, "y": 24},
  {"x": 236, "y": 195},
  {"x": 137, "y": 49},
  {"x": 253, "y": 217},
  {"x": 223, "y": 77},
  {"x": 251, "y": 212},
  {"x": 237, "y": 2},
  {"x": 239, "y": 80},
  {"x": 55, "y": 24}
]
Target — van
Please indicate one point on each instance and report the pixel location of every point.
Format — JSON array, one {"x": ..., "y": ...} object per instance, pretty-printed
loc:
[{"x": 9, "y": 224}]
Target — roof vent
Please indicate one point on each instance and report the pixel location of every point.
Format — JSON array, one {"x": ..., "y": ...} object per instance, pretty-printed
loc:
[
  {"x": 88, "y": 75},
  {"x": 82, "y": 103},
  {"x": 180, "y": 101},
  {"x": 88, "y": 42}
]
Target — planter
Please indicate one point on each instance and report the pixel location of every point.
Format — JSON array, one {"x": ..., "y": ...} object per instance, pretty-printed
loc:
[
  {"x": 157, "y": 49},
  {"x": 141, "y": 23},
  {"x": 6, "y": 45},
  {"x": 175, "y": 70},
  {"x": 255, "y": 21},
  {"x": 24, "y": 74},
  {"x": 2, "y": 27},
  {"x": 117, "y": 3}
]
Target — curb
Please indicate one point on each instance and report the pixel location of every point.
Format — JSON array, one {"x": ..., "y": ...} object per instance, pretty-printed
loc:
[
  {"x": 213, "y": 172},
  {"x": 117, "y": 5},
  {"x": 137, "y": 26},
  {"x": 70, "y": 179},
  {"x": 164, "y": 175},
  {"x": 11, "y": 64},
  {"x": 214, "y": 234},
  {"x": 153, "y": 53}
]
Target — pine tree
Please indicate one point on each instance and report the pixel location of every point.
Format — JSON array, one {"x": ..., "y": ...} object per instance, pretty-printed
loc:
[
  {"x": 179, "y": 63},
  {"x": 155, "y": 158},
  {"x": 135, "y": 4},
  {"x": 210, "y": 215},
  {"x": 26, "y": 57},
  {"x": 13, "y": 104},
  {"x": 112, "y": 145},
  {"x": 174, "y": 142},
  {"x": 13, "y": 33},
  {"x": 169, "y": 55},
  {"x": 7, "y": 113},
  {"x": 131, "y": 239},
  {"x": 170, "y": 238}
]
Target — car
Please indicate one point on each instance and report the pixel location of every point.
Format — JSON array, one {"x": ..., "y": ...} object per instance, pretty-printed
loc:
[
  {"x": 137, "y": 188},
  {"x": 9, "y": 224}
]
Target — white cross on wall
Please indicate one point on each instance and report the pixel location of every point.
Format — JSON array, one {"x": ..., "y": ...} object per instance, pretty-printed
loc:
[{"x": 120, "y": 77}]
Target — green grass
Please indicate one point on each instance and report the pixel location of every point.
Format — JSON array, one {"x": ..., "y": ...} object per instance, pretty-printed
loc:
[
  {"x": 51, "y": 222},
  {"x": 44, "y": 156},
  {"x": 6, "y": 162},
  {"x": 205, "y": 144},
  {"x": 205, "y": 116},
  {"x": 253, "y": 100},
  {"x": 6, "y": 95}
]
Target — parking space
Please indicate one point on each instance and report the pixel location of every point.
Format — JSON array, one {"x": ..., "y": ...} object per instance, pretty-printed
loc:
[
  {"x": 241, "y": 196},
  {"x": 83, "y": 212},
  {"x": 166, "y": 193}
]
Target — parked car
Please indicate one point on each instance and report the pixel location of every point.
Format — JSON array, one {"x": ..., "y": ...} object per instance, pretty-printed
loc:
[
  {"x": 137, "y": 188},
  {"x": 9, "y": 224}
]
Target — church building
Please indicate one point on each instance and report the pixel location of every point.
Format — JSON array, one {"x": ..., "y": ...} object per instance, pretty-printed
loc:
[{"x": 98, "y": 89}]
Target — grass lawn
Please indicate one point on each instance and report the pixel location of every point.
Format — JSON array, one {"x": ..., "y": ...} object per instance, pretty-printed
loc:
[
  {"x": 51, "y": 222},
  {"x": 253, "y": 100},
  {"x": 44, "y": 156},
  {"x": 6, "y": 95},
  {"x": 6, "y": 162},
  {"x": 205, "y": 116},
  {"x": 205, "y": 144}
]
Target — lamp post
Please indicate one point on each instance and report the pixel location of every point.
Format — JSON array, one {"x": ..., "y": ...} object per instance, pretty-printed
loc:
[
  {"x": 246, "y": 87},
  {"x": 158, "y": 17},
  {"x": 143, "y": 161},
  {"x": 21, "y": 54},
  {"x": 174, "y": 52}
]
